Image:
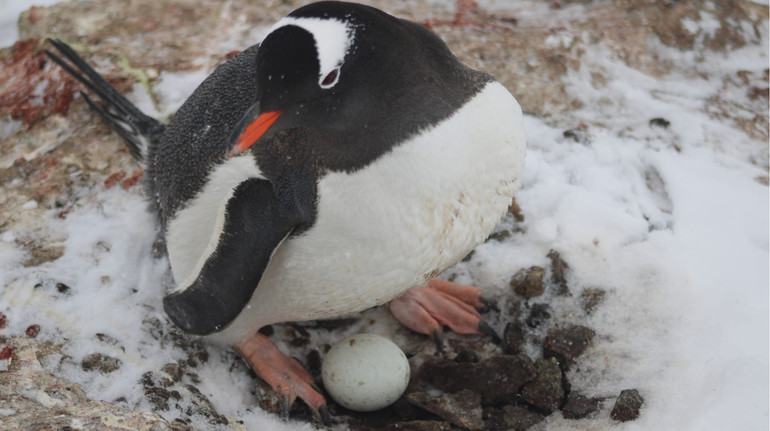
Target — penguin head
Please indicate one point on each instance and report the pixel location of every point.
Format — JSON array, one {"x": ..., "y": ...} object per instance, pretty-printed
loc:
[{"x": 337, "y": 67}]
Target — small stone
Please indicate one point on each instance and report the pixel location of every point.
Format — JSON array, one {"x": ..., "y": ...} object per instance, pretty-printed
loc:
[
  {"x": 591, "y": 298},
  {"x": 627, "y": 406},
  {"x": 100, "y": 362},
  {"x": 62, "y": 288},
  {"x": 6, "y": 353},
  {"x": 3, "y": 320},
  {"x": 512, "y": 418},
  {"x": 173, "y": 371},
  {"x": 545, "y": 392},
  {"x": 567, "y": 344},
  {"x": 579, "y": 406},
  {"x": 558, "y": 272},
  {"x": 32, "y": 331},
  {"x": 538, "y": 314},
  {"x": 660, "y": 122},
  {"x": 528, "y": 282},
  {"x": 513, "y": 338},
  {"x": 419, "y": 426},
  {"x": 497, "y": 379},
  {"x": 515, "y": 210},
  {"x": 462, "y": 408}
]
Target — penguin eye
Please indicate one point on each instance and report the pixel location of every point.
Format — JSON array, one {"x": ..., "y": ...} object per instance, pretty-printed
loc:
[{"x": 331, "y": 78}]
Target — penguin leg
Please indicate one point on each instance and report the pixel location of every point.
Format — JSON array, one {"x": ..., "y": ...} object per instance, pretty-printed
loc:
[
  {"x": 284, "y": 374},
  {"x": 426, "y": 309}
]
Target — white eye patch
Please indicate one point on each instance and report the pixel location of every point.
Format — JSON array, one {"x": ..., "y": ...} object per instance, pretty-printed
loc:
[{"x": 333, "y": 39}]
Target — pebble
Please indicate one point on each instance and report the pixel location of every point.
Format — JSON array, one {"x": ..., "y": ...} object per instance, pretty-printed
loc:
[
  {"x": 528, "y": 282},
  {"x": 567, "y": 344},
  {"x": 545, "y": 393},
  {"x": 579, "y": 406},
  {"x": 462, "y": 408},
  {"x": 627, "y": 406}
]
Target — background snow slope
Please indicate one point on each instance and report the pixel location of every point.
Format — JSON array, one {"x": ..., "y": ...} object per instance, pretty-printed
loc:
[{"x": 671, "y": 221}]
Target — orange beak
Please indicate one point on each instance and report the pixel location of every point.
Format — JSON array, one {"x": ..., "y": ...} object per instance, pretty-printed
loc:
[{"x": 254, "y": 131}]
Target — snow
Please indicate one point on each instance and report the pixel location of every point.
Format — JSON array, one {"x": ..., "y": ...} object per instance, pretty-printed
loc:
[{"x": 672, "y": 222}]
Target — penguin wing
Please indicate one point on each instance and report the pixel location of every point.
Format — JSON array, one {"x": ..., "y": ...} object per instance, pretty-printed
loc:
[{"x": 256, "y": 223}]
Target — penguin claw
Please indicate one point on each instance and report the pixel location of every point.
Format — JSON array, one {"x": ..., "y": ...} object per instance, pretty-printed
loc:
[
  {"x": 326, "y": 417},
  {"x": 440, "y": 339},
  {"x": 489, "y": 304},
  {"x": 286, "y": 406},
  {"x": 488, "y": 330}
]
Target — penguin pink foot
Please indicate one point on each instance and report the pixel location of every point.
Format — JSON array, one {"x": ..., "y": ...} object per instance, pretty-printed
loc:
[
  {"x": 284, "y": 374},
  {"x": 426, "y": 309}
]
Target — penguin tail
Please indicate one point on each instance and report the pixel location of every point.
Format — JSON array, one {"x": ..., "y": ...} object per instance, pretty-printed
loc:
[{"x": 138, "y": 129}]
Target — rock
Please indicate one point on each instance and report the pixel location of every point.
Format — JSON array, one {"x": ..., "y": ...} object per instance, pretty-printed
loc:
[
  {"x": 579, "y": 406},
  {"x": 513, "y": 338},
  {"x": 512, "y": 418},
  {"x": 545, "y": 392},
  {"x": 32, "y": 331},
  {"x": 40, "y": 400},
  {"x": 497, "y": 379},
  {"x": 558, "y": 272},
  {"x": 462, "y": 408},
  {"x": 419, "y": 426},
  {"x": 590, "y": 298},
  {"x": 567, "y": 344},
  {"x": 538, "y": 314},
  {"x": 3, "y": 320},
  {"x": 100, "y": 362},
  {"x": 528, "y": 282},
  {"x": 202, "y": 406},
  {"x": 627, "y": 406}
]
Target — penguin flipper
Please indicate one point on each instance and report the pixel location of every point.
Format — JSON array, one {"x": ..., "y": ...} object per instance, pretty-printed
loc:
[
  {"x": 138, "y": 129},
  {"x": 256, "y": 223}
]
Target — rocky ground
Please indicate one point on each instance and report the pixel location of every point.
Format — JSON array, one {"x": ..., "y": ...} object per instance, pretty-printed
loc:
[{"x": 55, "y": 155}]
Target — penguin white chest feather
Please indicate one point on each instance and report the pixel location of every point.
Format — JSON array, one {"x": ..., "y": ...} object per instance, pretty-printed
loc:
[{"x": 399, "y": 221}]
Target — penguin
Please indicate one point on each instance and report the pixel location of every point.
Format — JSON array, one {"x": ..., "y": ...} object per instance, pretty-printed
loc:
[{"x": 341, "y": 164}]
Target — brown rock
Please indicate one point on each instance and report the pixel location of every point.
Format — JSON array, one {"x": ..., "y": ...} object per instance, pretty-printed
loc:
[
  {"x": 591, "y": 298},
  {"x": 558, "y": 272},
  {"x": 545, "y": 392},
  {"x": 419, "y": 426},
  {"x": 528, "y": 282},
  {"x": 627, "y": 406},
  {"x": 462, "y": 408},
  {"x": 100, "y": 362},
  {"x": 513, "y": 338},
  {"x": 497, "y": 379},
  {"x": 512, "y": 418},
  {"x": 579, "y": 406},
  {"x": 567, "y": 344}
]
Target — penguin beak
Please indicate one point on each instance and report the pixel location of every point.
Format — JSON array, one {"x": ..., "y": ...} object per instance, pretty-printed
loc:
[{"x": 254, "y": 128}]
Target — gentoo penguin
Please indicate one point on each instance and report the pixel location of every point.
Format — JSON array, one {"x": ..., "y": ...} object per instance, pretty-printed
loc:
[{"x": 341, "y": 164}]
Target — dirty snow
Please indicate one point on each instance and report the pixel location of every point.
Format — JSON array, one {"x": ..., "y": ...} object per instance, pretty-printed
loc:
[{"x": 677, "y": 234}]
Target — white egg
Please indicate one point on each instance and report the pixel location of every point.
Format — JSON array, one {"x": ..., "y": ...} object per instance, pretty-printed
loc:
[{"x": 365, "y": 372}]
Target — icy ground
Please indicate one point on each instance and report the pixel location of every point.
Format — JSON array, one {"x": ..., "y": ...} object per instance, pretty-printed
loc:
[{"x": 671, "y": 220}]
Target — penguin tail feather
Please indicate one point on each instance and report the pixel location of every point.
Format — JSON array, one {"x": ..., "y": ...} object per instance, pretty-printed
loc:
[{"x": 138, "y": 129}]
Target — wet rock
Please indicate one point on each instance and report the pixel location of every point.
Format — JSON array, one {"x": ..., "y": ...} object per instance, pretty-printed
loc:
[
  {"x": 567, "y": 344},
  {"x": 627, "y": 406},
  {"x": 545, "y": 392},
  {"x": 579, "y": 406},
  {"x": 100, "y": 362},
  {"x": 559, "y": 272},
  {"x": 462, "y": 408},
  {"x": 591, "y": 298},
  {"x": 419, "y": 426},
  {"x": 513, "y": 338},
  {"x": 512, "y": 418},
  {"x": 538, "y": 314},
  {"x": 497, "y": 379},
  {"x": 528, "y": 282}
]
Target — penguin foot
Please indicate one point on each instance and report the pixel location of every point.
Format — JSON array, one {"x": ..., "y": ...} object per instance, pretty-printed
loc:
[
  {"x": 284, "y": 374},
  {"x": 426, "y": 309}
]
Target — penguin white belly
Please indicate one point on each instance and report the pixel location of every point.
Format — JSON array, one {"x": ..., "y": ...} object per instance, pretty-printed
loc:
[{"x": 397, "y": 222}]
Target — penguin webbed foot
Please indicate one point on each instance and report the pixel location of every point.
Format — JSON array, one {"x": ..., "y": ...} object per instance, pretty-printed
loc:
[
  {"x": 427, "y": 309},
  {"x": 284, "y": 374}
]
